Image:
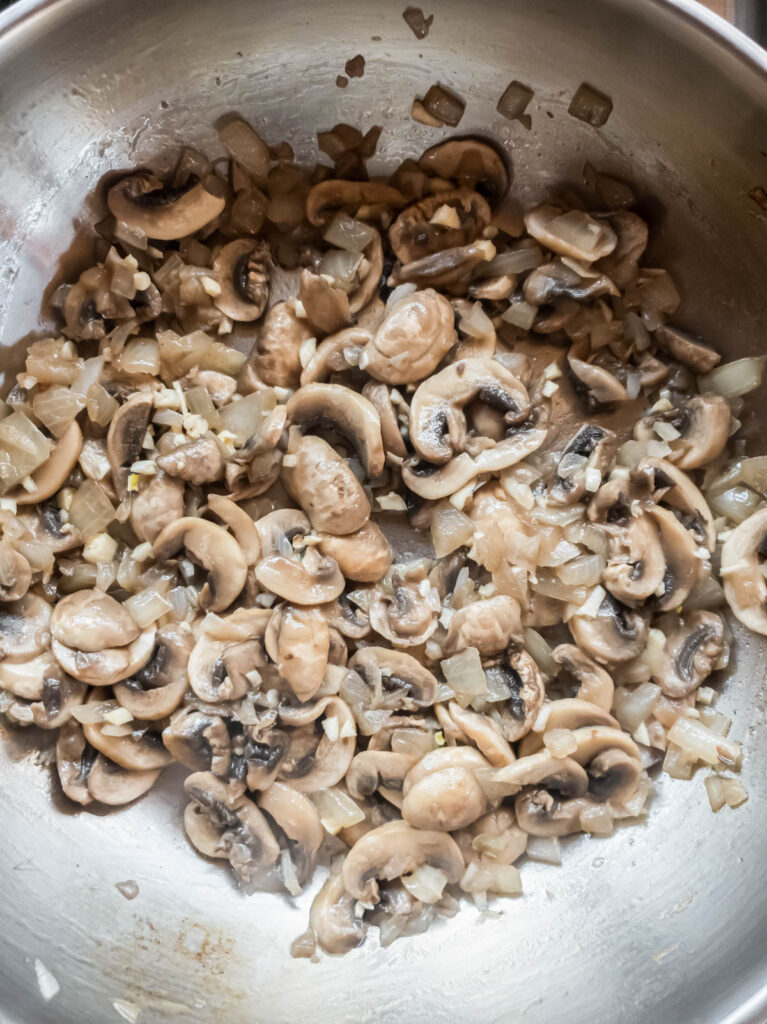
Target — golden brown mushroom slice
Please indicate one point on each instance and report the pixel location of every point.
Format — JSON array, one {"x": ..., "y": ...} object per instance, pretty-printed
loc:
[
  {"x": 419, "y": 231},
  {"x": 679, "y": 345},
  {"x": 144, "y": 202},
  {"x": 470, "y": 163},
  {"x": 328, "y": 197},
  {"x": 53, "y": 473},
  {"x": 215, "y": 550},
  {"x": 242, "y": 271}
]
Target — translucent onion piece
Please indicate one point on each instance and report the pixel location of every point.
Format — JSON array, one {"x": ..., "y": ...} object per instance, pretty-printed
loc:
[
  {"x": 88, "y": 374},
  {"x": 585, "y": 571},
  {"x": 465, "y": 675},
  {"x": 521, "y": 314},
  {"x": 199, "y": 402},
  {"x": 632, "y": 707},
  {"x": 91, "y": 510},
  {"x": 731, "y": 380},
  {"x": 93, "y": 459},
  {"x": 247, "y": 148},
  {"x": 347, "y": 233},
  {"x": 336, "y": 809},
  {"x": 546, "y": 849},
  {"x": 745, "y": 471},
  {"x": 736, "y": 504},
  {"x": 140, "y": 355},
  {"x": 701, "y": 744},
  {"x": 244, "y": 418},
  {"x": 147, "y": 607},
  {"x": 100, "y": 405},
  {"x": 341, "y": 266},
  {"x": 715, "y": 790},
  {"x": 476, "y": 323},
  {"x": 450, "y": 529},
  {"x": 426, "y": 883},
  {"x": 56, "y": 407}
]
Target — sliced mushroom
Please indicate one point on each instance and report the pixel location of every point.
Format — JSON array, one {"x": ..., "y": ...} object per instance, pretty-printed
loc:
[
  {"x": 91, "y": 620},
  {"x": 313, "y": 580},
  {"x": 239, "y": 522},
  {"x": 82, "y": 315},
  {"x": 330, "y": 196},
  {"x": 635, "y": 560},
  {"x": 323, "y": 483},
  {"x": 593, "y": 740},
  {"x": 218, "y": 667},
  {"x": 563, "y": 775},
  {"x": 416, "y": 334},
  {"x": 200, "y": 741},
  {"x": 15, "y": 573},
  {"x": 348, "y": 619},
  {"x": 680, "y": 346},
  {"x": 396, "y": 849},
  {"x": 74, "y": 760},
  {"x": 745, "y": 585},
  {"x": 402, "y": 617},
  {"x": 557, "y": 280},
  {"x": 397, "y": 671},
  {"x": 334, "y": 407},
  {"x": 110, "y": 784},
  {"x": 380, "y": 397},
  {"x": 572, "y": 233},
  {"x": 484, "y": 732},
  {"x": 275, "y": 357},
  {"x": 368, "y": 276},
  {"x": 623, "y": 262},
  {"x": 156, "y": 505},
  {"x": 541, "y": 813},
  {"x": 527, "y": 692},
  {"x": 196, "y": 462},
  {"x": 414, "y": 234},
  {"x": 26, "y": 679},
  {"x": 594, "y": 444},
  {"x": 297, "y": 816},
  {"x": 691, "y": 652},
  {"x": 602, "y": 387},
  {"x": 614, "y": 776},
  {"x": 60, "y": 696},
  {"x": 315, "y": 760},
  {"x": 337, "y": 353},
  {"x": 671, "y": 486},
  {"x": 263, "y": 752},
  {"x": 703, "y": 423},
  {"x": 438, "y": 427},
  {"x": 441, "y": 759},
  {"x": 332, "y": 917},
  {"x": 572, "y": 713},
  {"x": 381, "y": 771},
  {"x": 103, "y": 668},
  {"x": 242, "y": 271},
  {"x": 327, "y": 307},
  {"x": 470, "y": 164},
  {"x": 45, "y": 525},
  {"x": 614, "y": 635},
  {"x": 126, "y": 437},
  {"x": 144, "y": 202},
  {"x": 445, "y": 800},
  {"x": 487, "y": 625},
  {"x": 215, "y": 550},
  {"x": 298, "y": 642},
  {"x": 451, "y": 269},
  {"x": 277, "y": 530},
  {"x": 158, "y": 688},
  {"x": 364, "y": 556},
  {"x": 682, "y": 564},
  {"x": 53, "y": 473},
  {"x": 596, "y": 684}
]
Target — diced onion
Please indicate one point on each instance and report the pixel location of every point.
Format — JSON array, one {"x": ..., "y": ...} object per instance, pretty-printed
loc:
[
  {"x": 199, "y": 403},
  {"x": 476, "y": 323},
  {"x": 56, "y": 407},
  {"x": 450, "y": 529},
  {"x": 147, "y": 607},
  {"x": 46, "y": 982},
  {"x": 140, "y": 355},
  {"x": 464, "y": 674},
  {"x": 244, "y": 418},
  {"x": 734, "y": 791},
  {"x": 426, "y": 883},
  {"x": 598, "y": 820},
  {"x": 701, "y": 744},
  {"x": 400, "y": 292},
  {"x": 561, "y": 742},
  {"x": 87, "y": 375},
  {"x": 93, "y": 459},
  {"x": 26, "y": 445},
  {"x": 347, "y": 233},
  {"x": 341, "y": 266},
  {"x": 540, "y": 651},
  {"x": 100, "y": 405},
  {"x": 336, "y": 809},
  {"x": 91, "y": 510},
  {"x": 736, "y": 504},
  {"x": 546, "y": 849},
  {"x": 583, "y": 571},
  {"x": 715, "y": 791},
  {"x": 731, "y": 380},
  {"x": 633, "y": 707},
  {"x": 746, "y": 471},
  {"x": 521, "y": 314},
  {"x": 94, "y": 712},
  {"x": 413, "y": 742}
]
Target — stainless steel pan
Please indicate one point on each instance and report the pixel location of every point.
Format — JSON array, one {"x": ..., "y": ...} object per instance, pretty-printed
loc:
[{"x": 661, "y": 924}]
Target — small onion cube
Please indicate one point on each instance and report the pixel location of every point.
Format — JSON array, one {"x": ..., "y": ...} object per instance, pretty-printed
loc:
[
  {"x": 450, "y": 529},
  {"x": 735, "y": 792},
  {"x": 56, "y": 407},
  {"x": 347, "y": 233},
  {"x": 426, "y": 883},
  {"x": 701, "y": 744},
  {"x": 91, "y": 510},
  {"x": 521, "y": 314},
  {"x": 590, "y": 105},
  {"x": 715, "y": 791},
  {"x": 598, "y": 820},
  {"x": 546, "y": 849},
  {"x": 337, "y": 810},
  {"x": 147, "y": 607}
]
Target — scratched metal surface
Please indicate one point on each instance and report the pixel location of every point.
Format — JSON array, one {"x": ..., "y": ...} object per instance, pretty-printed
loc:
[{"x": 663, "y": 922}]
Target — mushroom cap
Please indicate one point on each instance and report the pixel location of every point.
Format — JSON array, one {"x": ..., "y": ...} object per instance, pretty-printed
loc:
[
  {"x": 61, "y": 695},
  {"x": 470, "y": 163},
  {"x": 364, "y": 556},
  {"x": 110, "y": 784},
  {"x": 378, "y": 770},
  {"x": 275, "y": 356},
  {"x": 564, "y": 775},
  {"x": 314, "y": 580},
  {"x": 416, "y": 334},
  {"x": 596, "y": 684},
  {"x": 413, "y": 236},
  {"x": 239, "y": 522},
  {"x": 197, "y": 462},
  {"x": 438, "y": 429},
  {"x": 314, "y": 761},
  {"x": 488, "y": 625},
  {"x": 142, "y": 201},
  {"x": 445, "y": 800},
  {"x": 399, "y": 670},
  {"x": 214, "y": 549},
  {"x": 745, "y": 586},
  {"x": 156, "y": 505},
  {"x": 332, "y": 916},
  {"x": 298, "y": 642},
  {"x": 199, "y": 740},
  {"x": 703, "y": 423},
  {"x": 334, "y": 194},
  {"x": 159, "y": 686},
  {"x": 108, "y": 666},
  {"x": 298, "y": 818},
  {"x": 572, "y": 233},
  {"x": 15, "y": 573},
  {"x": 484, "y": 732},
  {"x": 347, "y": 619},
  {"x": 402, "y": 617},
  {"x": 636, "y": 565},
  {"x": 52, "y": 475},
  {"x": 90, "y": 621},
  {"x": 680, "y": 346},
  {"x": 614, "y": 635},
  {"x": 126, "y": 437},
  {"x": 242, "y": 270},
  {"x": 325, "y": 486},
  {"x": 397, "y": 849},
  {"x": 691, "y": 653},
  {"x": 335, "y": 407}
]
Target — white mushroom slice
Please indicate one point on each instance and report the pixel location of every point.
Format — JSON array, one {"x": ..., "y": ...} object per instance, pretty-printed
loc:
[
  {"x": 142, "y": 752},
  {"x": 440, "y": 760},
  {"x": 61, "y": 695},
  {"x": 397, "y": 849},
  {"x": 158, "y": 688},
  {"x": 592, "y": 740},
  {"x": 698, "y": 357},
  {"x": 264, "y": 751},
  {"x": 313, "y": 580},
  {"x": 126, "y": 437},
  {"x": 745, "y": 585},
  {"x": 527, "y": 692},
  {"x": 110, "y": 784},
  {"x": 487, "y": 625},
  {"x": 438, "y": 428},
  {"x": 103, "y": 668},
  {"x": 445, "y": 800},
  {"x": 200, "y": 741},
  {"x": 614, "y": 635},
  {"x": 332, "y": 917},
  {"x": 673, "y": 487},
  {"x": 239, "y": 522},
  {"x": 242, "y": 272},
  {"x": 572, "y": 233},
  {"x": 297, "y": 816},
  {"x": 603, "y": 387},
  {"x": 214, "y": 549},
  {"x": 636, "y": 566},
  {"x": 402, "y": 617},
  {"x": 379, "y": 396},
  {"x": 691, "y": 652},
  {"x": 156, "y": 505},
  {"x": 364, "y": 556},
  {"x": 298, "y": 642},
  {"x": 74, "y": 760},
  {"x": 326, "y": 488},
  {"x": 218, "y": 667},
  {"x": 683, "y": 567},
  {"x": 594, "y": 444},
  {"x": 318, "y": 760},
  {"x": 142, "y": 201},
  {"x": 703, "y": 423},
  {"x": 596, "y": 684},
  {"x": 331, "y": 354},
  {"x": 413, "y": 235},
  {"x": 334, "y": 407},
  {"x": 556, "y": 280},
  {"x": 26, "y": 679},
  {"x": 396, "y": 671},
  {"x": 277, "y": 530},
  {"x": 381, "y": 771},
  {"x": 499, "y": 835},
  {"x": 197, "y": 462},
  {"x": 413, "y": 339},
  {"x": 568, "y": 713},
  {"x": 541, "y": 813},
  {"x": 53, "y": 473},
  {"x": 90, "y": 621},
  {"x": 484, "y": 732},
  {"x": 614, "y": 775},
  {"x": 275, "y": 358},
  {"x": 347, "y": 619},
  {"x": 24, "y": 628},
  {"x": 564, "y": 775}
]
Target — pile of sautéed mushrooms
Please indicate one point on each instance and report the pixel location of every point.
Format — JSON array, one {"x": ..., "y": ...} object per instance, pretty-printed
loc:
[{"x": 267, "y": 373}]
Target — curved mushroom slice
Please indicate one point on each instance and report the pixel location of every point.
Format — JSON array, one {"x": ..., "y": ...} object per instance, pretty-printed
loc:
[
  {"x": 47, "y": 527},
  {"x": 614, "y": 635},
  {"x": 114, "y": 786},
  {"x": 15, "y": 573},
  {"x": 563, "y": 775},
  {"x": 471, "y": 164},
  {"x": 26, "y": 679},
  {"x": 200, "y": 741},
  {"x": 334, "y": 407},
  {"x": 438, "y": 427},
  {"x": 126, "y": 437},
  {"x": 393, "y": 850},
  {"x": 380, "y": 397},
  {"x": 323, "y": 483},
  {"x": 432, "y": 482},
  {"x": 396, "y": 671},
  {"x": 441, "y": 759},
  {"x": 482, "y": 731},
  {"x": 345, "y": 617},
  {"x": 541, "y": 813},
  {"x": 557, "y": 280},
  {"x": 156, "y": 505},
  {"x": 158, "y": 688},
  {"x": 364, "y": 556},
  {"x": 683, "y": 565},
  {"x": 587, "y": 453},
  {"x": 381, "y": 771},
  {"x": 232, "y": 829},
  {"x": 53, "y": 473},
  {"x": 499, "y": 835},
  {"x": 84, "y": 320},
  {"x": 402, "y": 617},
  {"x": 218, "y": 666},
  {"x": 445, "y": 800},
  {"x": 277, "y": 530},
  {"x": 596, "y": 684},
  {"x": 297, "y": 816},
  {"x": 103, "y": 668},
  {"x": 196, "y": 462},
  {"x": 313, "y": 580},
  {"x": 275, "y": 358},
  {"x": 215, "y": 550},
  {"x": 61, "y": 695},
  {"x": 745, "y": 585},
  {"x": 142, "y": 201},
  {"x": 74, "y": 760},
  {"x": 327, "y": 198},
  {"x": 337, "y": 353},
  {"x": 527, "y": 692},
  {"x": 572, "y": 713},
  {"x": 242, "y": 271},
  {"x": 137, "y": 752},
  {"x": 680, "y": 346},
  {"x": 603, "y": 388},
  {"x": 90, "y": 621},
  {"x": 415, "y": 234},
  {"x": 416, "y": 334},
  {"x": 326, "y": 307},
  {"x": 298, "y": 642},
  {"x": 332, "y": 917},
  {"x": 263, "y": 752},
  {"x": 239, "y": 522},
  {"x": 636, "y": 567},
  {"x": 450, "y": 269},
  {"x": 691, "y": 652},
  {"x": 593, "y": 740},
  {"x": 320, "y": 753},
  {"x": 614, "y": 776},
  {"x": 572, "y": 233},
  {"x": 703, "y": 425},
  {"x": 488, "y": 625},
  {"x": 673, "y": 487},
  {"x": 24, "y": 628}
]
